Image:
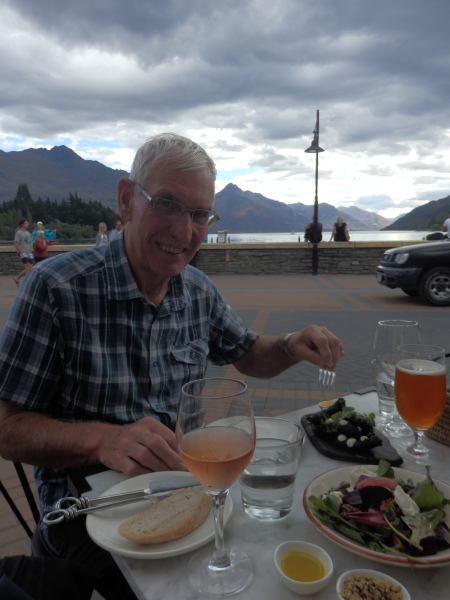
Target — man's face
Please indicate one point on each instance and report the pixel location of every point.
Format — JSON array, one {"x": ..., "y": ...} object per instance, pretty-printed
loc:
[
  {"x": 158, "y": 248},
  {"x": 25, "y": 225},
  {"x": 118, "y": 225}
]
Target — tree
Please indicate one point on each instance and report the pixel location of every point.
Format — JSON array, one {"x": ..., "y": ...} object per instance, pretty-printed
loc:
[
  {"x": 23, "y": 200},
  {"x": 73, "y": 218}
]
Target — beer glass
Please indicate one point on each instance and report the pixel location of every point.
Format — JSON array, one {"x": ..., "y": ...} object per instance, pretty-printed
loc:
[{"x": 420, "y": 392}]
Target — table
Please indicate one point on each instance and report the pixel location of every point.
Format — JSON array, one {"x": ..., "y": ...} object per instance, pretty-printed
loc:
[{"x": 166, "y": 578}]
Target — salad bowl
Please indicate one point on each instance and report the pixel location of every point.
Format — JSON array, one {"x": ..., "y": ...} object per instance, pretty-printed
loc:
[{"x": 326, "y": 481}]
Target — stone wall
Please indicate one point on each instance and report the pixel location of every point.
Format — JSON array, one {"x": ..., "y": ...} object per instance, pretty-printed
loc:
[
  {"x": 10, "y": 263},
  {"x": 358, "y": 258}
]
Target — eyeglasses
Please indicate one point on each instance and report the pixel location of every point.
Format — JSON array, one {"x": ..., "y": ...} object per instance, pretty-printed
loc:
[{"x": 170, "y": 209}]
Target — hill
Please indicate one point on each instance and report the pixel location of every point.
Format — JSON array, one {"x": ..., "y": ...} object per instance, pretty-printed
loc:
[
  {"x": 247, "y": 212},
  {"x": 57, "y": 172},
  {"x": 428, "y": 216}
]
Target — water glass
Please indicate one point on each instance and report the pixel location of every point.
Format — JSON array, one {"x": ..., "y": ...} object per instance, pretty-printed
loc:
[
  {"x": 385, "y": 391},
  {"x": 267, "y": 483}
]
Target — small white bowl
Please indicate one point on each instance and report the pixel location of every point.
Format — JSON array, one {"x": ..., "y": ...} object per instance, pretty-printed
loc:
[
  {"x": 304, "y": 587},
  {"x": 369, "y": 572}
]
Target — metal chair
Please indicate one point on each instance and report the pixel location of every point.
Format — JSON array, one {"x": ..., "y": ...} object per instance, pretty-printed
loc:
[{"x": 29, "y": 496}]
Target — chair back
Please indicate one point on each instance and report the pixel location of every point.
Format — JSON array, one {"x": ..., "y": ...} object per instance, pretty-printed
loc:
[{"x": 29, "y": 496}]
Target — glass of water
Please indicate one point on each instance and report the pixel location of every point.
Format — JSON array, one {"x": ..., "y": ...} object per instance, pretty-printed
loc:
[
  {"x": 385, "y": 392},
  {"x": 267, "y": 483}
]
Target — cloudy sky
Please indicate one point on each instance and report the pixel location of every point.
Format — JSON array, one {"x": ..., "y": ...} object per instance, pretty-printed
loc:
[{"x": 244, "y": 78}]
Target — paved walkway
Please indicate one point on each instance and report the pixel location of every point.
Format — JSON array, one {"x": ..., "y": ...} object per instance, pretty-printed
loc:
[{"x": 349, "y": 305}]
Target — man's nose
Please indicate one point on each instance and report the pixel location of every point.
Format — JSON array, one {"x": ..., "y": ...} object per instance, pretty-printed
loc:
[{"x": 183, "y": 226}]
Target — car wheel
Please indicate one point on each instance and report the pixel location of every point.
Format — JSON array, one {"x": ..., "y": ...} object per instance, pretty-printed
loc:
[
  {"x": 410, "y": 292},
  {"x": 434, "y": 286}
]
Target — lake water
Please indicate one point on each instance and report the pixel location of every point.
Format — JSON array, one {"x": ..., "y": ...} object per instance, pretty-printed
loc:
[{"x": 355, "y": 236}]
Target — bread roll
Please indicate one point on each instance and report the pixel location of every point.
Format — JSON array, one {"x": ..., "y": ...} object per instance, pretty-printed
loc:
[{"x": 167, "y": 520}]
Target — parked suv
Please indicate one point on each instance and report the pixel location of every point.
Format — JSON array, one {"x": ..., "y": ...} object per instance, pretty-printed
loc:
[{"x": 420, "y": 270}]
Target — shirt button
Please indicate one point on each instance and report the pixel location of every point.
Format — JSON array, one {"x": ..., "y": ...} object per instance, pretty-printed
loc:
[{"x": 155, "y": 363}]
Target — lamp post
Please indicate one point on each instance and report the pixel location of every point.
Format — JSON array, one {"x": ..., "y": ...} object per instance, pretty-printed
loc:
[{"x": 315, "y": 149}]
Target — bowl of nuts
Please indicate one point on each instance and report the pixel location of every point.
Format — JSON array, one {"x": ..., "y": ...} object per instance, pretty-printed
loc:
[{"x": 362, "y": 584}]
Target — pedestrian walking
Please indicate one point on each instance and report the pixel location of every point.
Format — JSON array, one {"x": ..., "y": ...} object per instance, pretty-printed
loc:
[{"x": 22, "y": 243}]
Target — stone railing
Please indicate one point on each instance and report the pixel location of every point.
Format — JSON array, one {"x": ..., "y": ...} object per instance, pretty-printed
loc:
[{"x": 358, "y": 258}]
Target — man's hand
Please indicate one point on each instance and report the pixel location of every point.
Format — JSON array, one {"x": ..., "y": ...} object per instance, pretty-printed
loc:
[
  {"x": 316, "y": 345},
  {"x": 141, "y": 447},
  {"x": 267, "y": 356}
]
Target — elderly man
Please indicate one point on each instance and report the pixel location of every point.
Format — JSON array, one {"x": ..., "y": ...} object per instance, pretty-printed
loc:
[{"x": 111, "y": 333}]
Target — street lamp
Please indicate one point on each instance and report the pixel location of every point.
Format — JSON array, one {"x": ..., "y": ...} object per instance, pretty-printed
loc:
[{"x": 315, "y": 149}]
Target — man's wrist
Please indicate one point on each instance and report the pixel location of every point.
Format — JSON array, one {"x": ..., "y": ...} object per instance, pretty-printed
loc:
[{"x": 286, "y": 346}]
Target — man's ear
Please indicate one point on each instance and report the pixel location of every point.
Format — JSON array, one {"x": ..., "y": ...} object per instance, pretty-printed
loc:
[{"x": 125, "y": 192}]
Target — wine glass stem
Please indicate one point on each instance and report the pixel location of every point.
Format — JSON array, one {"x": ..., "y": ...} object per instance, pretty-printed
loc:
[
  {"x": 419, "y": 448},
  {"x": 220, "y": 558}
]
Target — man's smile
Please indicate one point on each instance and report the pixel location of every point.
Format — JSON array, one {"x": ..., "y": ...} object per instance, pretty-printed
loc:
[{"x": 171, "y": 249}]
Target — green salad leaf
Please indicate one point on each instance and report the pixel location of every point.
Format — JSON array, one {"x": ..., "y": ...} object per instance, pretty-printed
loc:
[{"x": 403, "y": 533}]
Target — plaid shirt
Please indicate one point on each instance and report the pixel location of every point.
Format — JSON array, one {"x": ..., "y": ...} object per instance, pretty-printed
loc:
[{"x": 82, "y": 343}]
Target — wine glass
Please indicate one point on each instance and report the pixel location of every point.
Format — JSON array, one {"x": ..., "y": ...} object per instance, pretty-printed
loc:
[
  {"x": 420, "y": 392},
  {"x": 389, "y": 335},
  {"x": 216, "y": 438}
]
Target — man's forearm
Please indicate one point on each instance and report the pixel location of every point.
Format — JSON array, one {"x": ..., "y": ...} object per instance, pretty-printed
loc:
[
  {"x": 266, "y": 358},
  {"x": 37, "y": 439}
]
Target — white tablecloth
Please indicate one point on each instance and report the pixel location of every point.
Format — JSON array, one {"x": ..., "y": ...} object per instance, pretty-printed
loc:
[{"x": 166, "y": 578}]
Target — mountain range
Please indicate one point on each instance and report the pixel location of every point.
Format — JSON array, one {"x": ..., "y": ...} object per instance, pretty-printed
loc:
[
  {"x": 56, "y": 172},
  {"x": 428, "y": 216},
  {"x": 247, "y": 212}
]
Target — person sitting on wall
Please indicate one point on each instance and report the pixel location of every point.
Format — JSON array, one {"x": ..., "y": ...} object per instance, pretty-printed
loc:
[
  {"x": 340, "y": 231},
  {"x": 310, "y": 231}
]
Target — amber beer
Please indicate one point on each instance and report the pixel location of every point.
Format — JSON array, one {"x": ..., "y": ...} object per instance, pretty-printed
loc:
[{"x": 420, "y": 391}]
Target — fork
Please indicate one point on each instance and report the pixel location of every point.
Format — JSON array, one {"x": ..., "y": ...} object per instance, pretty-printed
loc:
[{"x": 326, "y": 378}]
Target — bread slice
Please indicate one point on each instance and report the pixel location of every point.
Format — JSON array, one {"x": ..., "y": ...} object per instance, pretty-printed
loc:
[{"x": 167, "y": 520}]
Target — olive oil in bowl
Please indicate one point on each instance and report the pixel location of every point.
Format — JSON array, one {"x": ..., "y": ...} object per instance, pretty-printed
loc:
[{"x": 302, "y": 566}]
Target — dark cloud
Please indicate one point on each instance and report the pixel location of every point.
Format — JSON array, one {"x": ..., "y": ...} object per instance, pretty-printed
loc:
[{"x": 251, "y": 74}]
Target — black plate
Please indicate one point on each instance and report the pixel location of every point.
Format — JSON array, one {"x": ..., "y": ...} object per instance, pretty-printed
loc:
[{"x": 371, "y": 457}]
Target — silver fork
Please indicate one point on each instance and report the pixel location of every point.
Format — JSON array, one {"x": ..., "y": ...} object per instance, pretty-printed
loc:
[{"x": 326, "y": 378}]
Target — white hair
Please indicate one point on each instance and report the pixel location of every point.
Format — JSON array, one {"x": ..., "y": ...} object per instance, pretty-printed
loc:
[{"x": 172, "y": 150}]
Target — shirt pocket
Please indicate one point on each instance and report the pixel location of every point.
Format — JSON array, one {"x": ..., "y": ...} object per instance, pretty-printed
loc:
[{"x": 191, "y": 358}]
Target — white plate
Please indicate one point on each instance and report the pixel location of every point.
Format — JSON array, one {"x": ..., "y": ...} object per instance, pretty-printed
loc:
[
  {"x": 102, "y": 525},
  {"x": 322, "y": 484}
]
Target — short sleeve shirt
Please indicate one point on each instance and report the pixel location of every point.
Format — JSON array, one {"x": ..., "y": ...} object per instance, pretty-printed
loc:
[
  {"x": 114, "y": 235},
  {"x": 24, "y": 240},
  {"x": 82, "y": 343}
]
